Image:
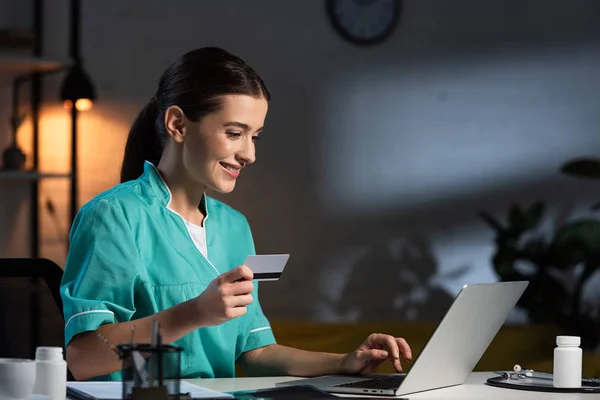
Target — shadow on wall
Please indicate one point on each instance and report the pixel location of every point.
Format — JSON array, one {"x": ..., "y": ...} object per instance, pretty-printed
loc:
[{"x": 403, "y": 283}]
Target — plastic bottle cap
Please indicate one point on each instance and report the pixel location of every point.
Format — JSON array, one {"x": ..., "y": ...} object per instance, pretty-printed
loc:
[
  {"x": 49, "y": 353},
  {"x": 568, "y": 340}
]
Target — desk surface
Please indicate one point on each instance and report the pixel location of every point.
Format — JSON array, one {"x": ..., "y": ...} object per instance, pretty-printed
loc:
[{"x": 474, "y": 388}]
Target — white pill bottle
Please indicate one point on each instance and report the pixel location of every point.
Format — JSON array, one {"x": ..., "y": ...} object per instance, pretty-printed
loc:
[
  {"x": 567, "y": 362},
  {"x": 51, "y": 373}
]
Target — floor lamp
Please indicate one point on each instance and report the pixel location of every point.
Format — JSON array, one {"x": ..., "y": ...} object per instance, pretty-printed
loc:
[{"x": 78, "y": 94}]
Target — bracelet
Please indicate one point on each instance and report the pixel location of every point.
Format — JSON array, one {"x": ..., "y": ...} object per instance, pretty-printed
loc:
[{"x": 109, "y": 343}]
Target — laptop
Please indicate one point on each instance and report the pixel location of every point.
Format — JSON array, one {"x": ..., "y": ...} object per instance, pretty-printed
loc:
[{"x": 449, "y": 356}]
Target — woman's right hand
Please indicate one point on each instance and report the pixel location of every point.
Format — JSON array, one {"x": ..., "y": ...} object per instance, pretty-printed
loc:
[{"x": 226, "y": 297}]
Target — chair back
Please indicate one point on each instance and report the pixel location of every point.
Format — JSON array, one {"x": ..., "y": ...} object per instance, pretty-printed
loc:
[{"x": 31, "y": 312}]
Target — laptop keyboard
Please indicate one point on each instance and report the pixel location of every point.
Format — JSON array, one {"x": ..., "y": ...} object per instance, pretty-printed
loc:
[{"x": 391, "y": 382}]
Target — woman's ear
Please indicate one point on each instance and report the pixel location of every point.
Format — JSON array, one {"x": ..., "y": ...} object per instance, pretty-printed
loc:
[{"x": 175, "y": 123}]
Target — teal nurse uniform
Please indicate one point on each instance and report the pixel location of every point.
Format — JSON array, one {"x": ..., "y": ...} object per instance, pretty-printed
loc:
[{"x": 132, "y": 256}]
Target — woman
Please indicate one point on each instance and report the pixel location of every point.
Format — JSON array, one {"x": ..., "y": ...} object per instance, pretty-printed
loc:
[{"x": 155, "y": 247}]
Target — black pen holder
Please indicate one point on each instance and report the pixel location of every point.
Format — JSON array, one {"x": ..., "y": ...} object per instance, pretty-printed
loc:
[{"x": 151, "y": 372}]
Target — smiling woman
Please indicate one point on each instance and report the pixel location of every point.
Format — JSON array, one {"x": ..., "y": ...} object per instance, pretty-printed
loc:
[
  {"x": 156, "y": 248},
  {"x": 214, "y": 149}
]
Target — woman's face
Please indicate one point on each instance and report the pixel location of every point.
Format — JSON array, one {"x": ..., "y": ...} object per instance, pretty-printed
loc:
[{"x": 221, "y": 144}]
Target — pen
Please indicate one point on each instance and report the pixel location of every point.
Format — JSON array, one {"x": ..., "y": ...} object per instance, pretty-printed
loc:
[
  {"x": 154, "y": 351},
  {"x": 159, "y": 355}
]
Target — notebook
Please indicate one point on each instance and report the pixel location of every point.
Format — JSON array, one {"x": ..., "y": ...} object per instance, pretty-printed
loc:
[{"x": 114, "y": 391}]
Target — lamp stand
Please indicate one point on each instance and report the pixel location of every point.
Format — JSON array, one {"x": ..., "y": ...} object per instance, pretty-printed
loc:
[{"x": 13, "y": 157}]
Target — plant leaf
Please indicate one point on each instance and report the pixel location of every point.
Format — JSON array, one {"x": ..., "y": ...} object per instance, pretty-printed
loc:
[
  {"x": 503, "y": 262},
  {"x": 534, "y": 250},
  {"x": 491, "y": 221},
  {"x": 582, "y": 168},
  {"x": 544, "y": 299},
  {"x": 535, "y": 214},
  {"x": 576, "y": 242},
  {"x": 517, "y": 220}
]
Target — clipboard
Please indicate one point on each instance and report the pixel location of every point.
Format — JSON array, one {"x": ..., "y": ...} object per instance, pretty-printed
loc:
[{"x": 539, "y": 382}]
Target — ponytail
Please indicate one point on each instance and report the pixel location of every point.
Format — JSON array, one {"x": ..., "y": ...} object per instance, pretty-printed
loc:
[{"x": 143, "y": 143}]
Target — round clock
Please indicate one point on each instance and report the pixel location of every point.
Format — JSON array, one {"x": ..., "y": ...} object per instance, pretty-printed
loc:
[{"x": 364, "y": 22}]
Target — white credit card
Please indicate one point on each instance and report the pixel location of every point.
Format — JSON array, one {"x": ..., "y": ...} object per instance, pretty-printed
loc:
[{"x": 267, "y": 267}]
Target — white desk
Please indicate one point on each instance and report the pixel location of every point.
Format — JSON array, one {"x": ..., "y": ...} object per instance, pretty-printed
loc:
[{"x": 474, "y": 388}]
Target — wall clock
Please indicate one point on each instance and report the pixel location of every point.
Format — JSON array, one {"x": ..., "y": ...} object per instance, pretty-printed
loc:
[{"x": 364, "y": 22}]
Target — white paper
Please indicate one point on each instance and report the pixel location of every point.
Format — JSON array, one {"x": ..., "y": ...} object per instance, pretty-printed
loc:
[{"x": 114, "y": 390}]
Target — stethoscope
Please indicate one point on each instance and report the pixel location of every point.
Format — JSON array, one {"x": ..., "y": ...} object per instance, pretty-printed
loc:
[
  {"x": 542, "y": 378},
  {"x": 520, "y": 373}
]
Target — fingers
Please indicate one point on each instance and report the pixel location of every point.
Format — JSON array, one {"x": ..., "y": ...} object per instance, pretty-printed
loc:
[
  {"x": 394, "y": 351},
  {"x": 240, "y": 273},
  {"x": 404, "y": 349},
  {"x": 240, "y": 301},
  {"x": 397, "y": 365},
  {"x": 389, "y": 342},
  {"x": 379, "y": 340},
  {"x": 239, "y": 288},
  {"x": 392, "y": 346},
  {"x": 373, "y": 354},
  {"x": 395, "y": 346},
  {"x": 235, "y": 312}
]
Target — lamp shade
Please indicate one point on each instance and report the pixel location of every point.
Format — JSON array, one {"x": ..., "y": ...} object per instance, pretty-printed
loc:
[{"x": 77, "y": 88}]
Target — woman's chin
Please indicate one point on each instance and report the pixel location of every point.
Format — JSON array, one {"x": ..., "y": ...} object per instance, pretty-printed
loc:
[{"x": 223, "y": 187}]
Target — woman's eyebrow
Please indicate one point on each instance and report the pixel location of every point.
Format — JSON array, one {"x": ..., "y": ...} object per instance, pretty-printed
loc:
[
  {"x": 242, "y": 125},
  {"x": 238, "y": 124}
]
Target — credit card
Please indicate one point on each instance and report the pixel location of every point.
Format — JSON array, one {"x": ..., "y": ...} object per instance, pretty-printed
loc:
[{"x": 267, "y": 267}]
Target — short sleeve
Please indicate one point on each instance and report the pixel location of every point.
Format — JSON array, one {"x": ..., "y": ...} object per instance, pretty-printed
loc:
[
  {"x": 256, "y": 330},
  {"x": 102, "y": 268}
]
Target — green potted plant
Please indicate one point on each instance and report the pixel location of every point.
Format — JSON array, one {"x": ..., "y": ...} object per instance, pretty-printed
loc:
[{"x": 523, "y": 254}]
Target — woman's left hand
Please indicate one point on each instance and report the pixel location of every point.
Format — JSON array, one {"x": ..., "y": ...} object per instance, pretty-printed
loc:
[{"x": 374, "y": 351}]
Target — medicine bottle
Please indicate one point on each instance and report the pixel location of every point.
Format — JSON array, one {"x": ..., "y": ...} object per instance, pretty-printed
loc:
[
  {"x": 51, "y": 373},
  {"x": 567, "y": 362}
]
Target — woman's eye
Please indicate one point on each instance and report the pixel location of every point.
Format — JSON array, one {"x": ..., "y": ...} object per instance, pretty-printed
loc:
[
  {"x": 255, "y": 138},
  {"x": 233, "y": 134}
]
